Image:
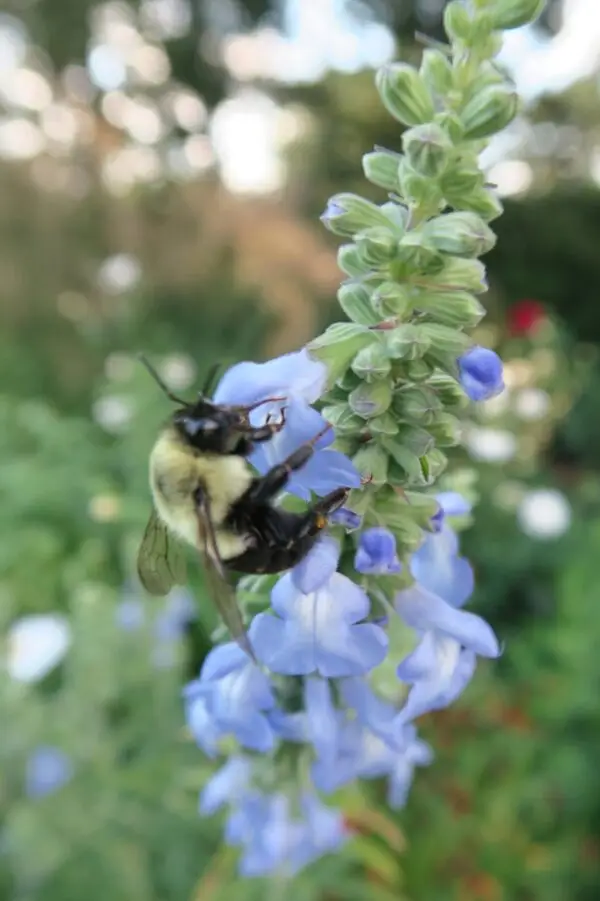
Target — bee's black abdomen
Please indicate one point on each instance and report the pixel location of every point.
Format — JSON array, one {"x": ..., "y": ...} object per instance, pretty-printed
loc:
[{"x": 282, "y": 539}]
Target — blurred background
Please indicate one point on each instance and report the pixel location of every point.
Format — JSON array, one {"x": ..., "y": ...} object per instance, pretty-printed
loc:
[{"x": 162, "y": 167}]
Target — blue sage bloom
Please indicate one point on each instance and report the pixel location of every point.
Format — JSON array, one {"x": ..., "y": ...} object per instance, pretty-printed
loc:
[
  {"x": 376, "y": 554},
  {"x": 47, "y": 770},
  {"x": 481, "y": 373},
  {"x": 317, "y": 645},
  {"x": 299, "y": 380}
]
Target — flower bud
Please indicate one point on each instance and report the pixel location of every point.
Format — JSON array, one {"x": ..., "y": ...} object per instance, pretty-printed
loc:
[
  {"x": 450, "y": 123},
  {"x": 436, "y": 71},
  {"x": 481, "y": 373},
  {"x": 433, "y": 465},
  {"x": 463, "y": 234},
  {"x": 338, "y": 346},
  {"x": 454, "y": 308},
  {"x": 407, "y": 342},
  {"x": 417, "y": 370},
  {"x": 355, "y": 300},
  {"x": 460, "y": 179},
  {"x": 418, "y": 405},
  {"x": 376, "y": 246},
  {"x": 417, "y": 188},
  {"x": 457, "y": 274},
  {"x": 489, "y": 111},
  {"x": 404, "y": 94},
  {"x": 427, "y": 148},
  {"x": 381, "y": 168},
  {"x": 418, "y": 254},
  {"x": 445, "y": 340},
  {"x": 405, "y": 468},
  {"x": 391, "y": 299},
  {"x": 371, "y": 399},
  {"x": 507, "y": 14},
  {"x": 446, "y": 430},
  {"x": 392, "y": 509},
  {"x": 481, "y": 200},
  {"x": 397, "y": 214},
  {"x": 458, "y": 24},
  {"x": 372, "y": 463},
  {"x": 343, "y": 420},
  {"x": 383, "y": 425},
  {"x": 416, "y": 439},
  {"x": 372, "y": 363},
  {"x": 448, "y": 390},
  {"x": 421, "y": 508},
  {"x": 350, "y": 262},
  {"x": 347, "y": 214}
]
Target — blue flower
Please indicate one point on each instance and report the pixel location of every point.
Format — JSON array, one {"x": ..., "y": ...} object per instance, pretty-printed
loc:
[
  {"x": 424, "y": 611},
  {"x": 480, "y": 373},
  {"x": 365, "y": 754},
  {"x": 415, "y": 753},
  {"x": 326, "y": 470},
  {"x": 318, "y": 566},
  {"x": 451, "y": 504},
  {"x": 346, "y": 518},
  {"x": 443, "y": 663},
  {"x": 47, "y": 770},
  {"x": 273, "y": 840},
  {"x": 376, "y": 553},
  {"x": 439, "y": 669},
  {"x": 233, "y": 696},
  {"x": 319, "y": 632},
  {"x": 437, "y": 567},
  {"x": 371, "y": 711},
  {"x": 226, "y": 785},
  {"x": 300, "y": 380},
  {"x": 295, "y": 376}
]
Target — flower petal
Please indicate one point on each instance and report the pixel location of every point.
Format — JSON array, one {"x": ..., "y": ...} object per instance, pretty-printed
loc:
[
  {"x": 225, "y": 785},
  {"x": 453, "y": 503},
  {"x": 294, "y": 374},
  {"x": 318, "y": 566},
  {"x": 450, "y": 577},
  {"x": 423, "y": 610},
  {"x": 321, "y": 717}
]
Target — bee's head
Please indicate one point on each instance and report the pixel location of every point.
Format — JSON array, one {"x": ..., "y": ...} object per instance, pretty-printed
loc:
[{"x": 210, "y": 427}]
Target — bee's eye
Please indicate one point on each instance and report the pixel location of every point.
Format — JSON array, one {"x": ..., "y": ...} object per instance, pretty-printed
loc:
[{"x": 193, "y": 425}]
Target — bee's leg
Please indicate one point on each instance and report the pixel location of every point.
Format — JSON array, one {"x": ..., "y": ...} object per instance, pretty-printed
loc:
[
  {"x": 256, "y": 434},
  {"x": 318, "y": 516},
  {"x": 265, "y": 488}
]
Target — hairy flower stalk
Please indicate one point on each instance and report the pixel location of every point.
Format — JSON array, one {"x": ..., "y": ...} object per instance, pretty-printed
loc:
[{"x": 383, "y": 591}]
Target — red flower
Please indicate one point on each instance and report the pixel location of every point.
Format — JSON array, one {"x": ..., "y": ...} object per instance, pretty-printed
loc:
[{"x": 524, "y": 317}]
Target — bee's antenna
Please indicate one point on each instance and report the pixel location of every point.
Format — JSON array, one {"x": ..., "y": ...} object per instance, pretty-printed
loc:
[
  {"x": 159, "y": 381},
  {"x": 208, "y": 382}
]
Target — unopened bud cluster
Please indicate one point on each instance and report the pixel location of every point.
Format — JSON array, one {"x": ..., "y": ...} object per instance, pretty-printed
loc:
[{"x": 414, "y": 277}]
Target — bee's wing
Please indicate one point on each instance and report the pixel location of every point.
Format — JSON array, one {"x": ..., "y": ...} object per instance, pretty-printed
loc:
[
  {"x": 221, "y": 590},
  {"x": 160, "y": 562}
]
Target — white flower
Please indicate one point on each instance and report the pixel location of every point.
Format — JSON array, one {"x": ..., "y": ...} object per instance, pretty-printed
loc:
[
  {"x": 36, "y": 644},
  {"x": 531, "y": 404},
  {"x": 491, "y": 445},
  {"x": 544, "y": 513}
]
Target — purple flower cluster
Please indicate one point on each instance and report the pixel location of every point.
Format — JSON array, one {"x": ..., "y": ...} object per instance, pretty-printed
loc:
[{"x": 310, "y": 694}]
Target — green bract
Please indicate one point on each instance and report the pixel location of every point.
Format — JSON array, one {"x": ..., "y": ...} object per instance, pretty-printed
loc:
[{"x": 405, "y": 94}]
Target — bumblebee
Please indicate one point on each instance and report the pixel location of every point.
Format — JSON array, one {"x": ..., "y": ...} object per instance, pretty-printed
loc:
[{"x": 207, "y": 495}]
